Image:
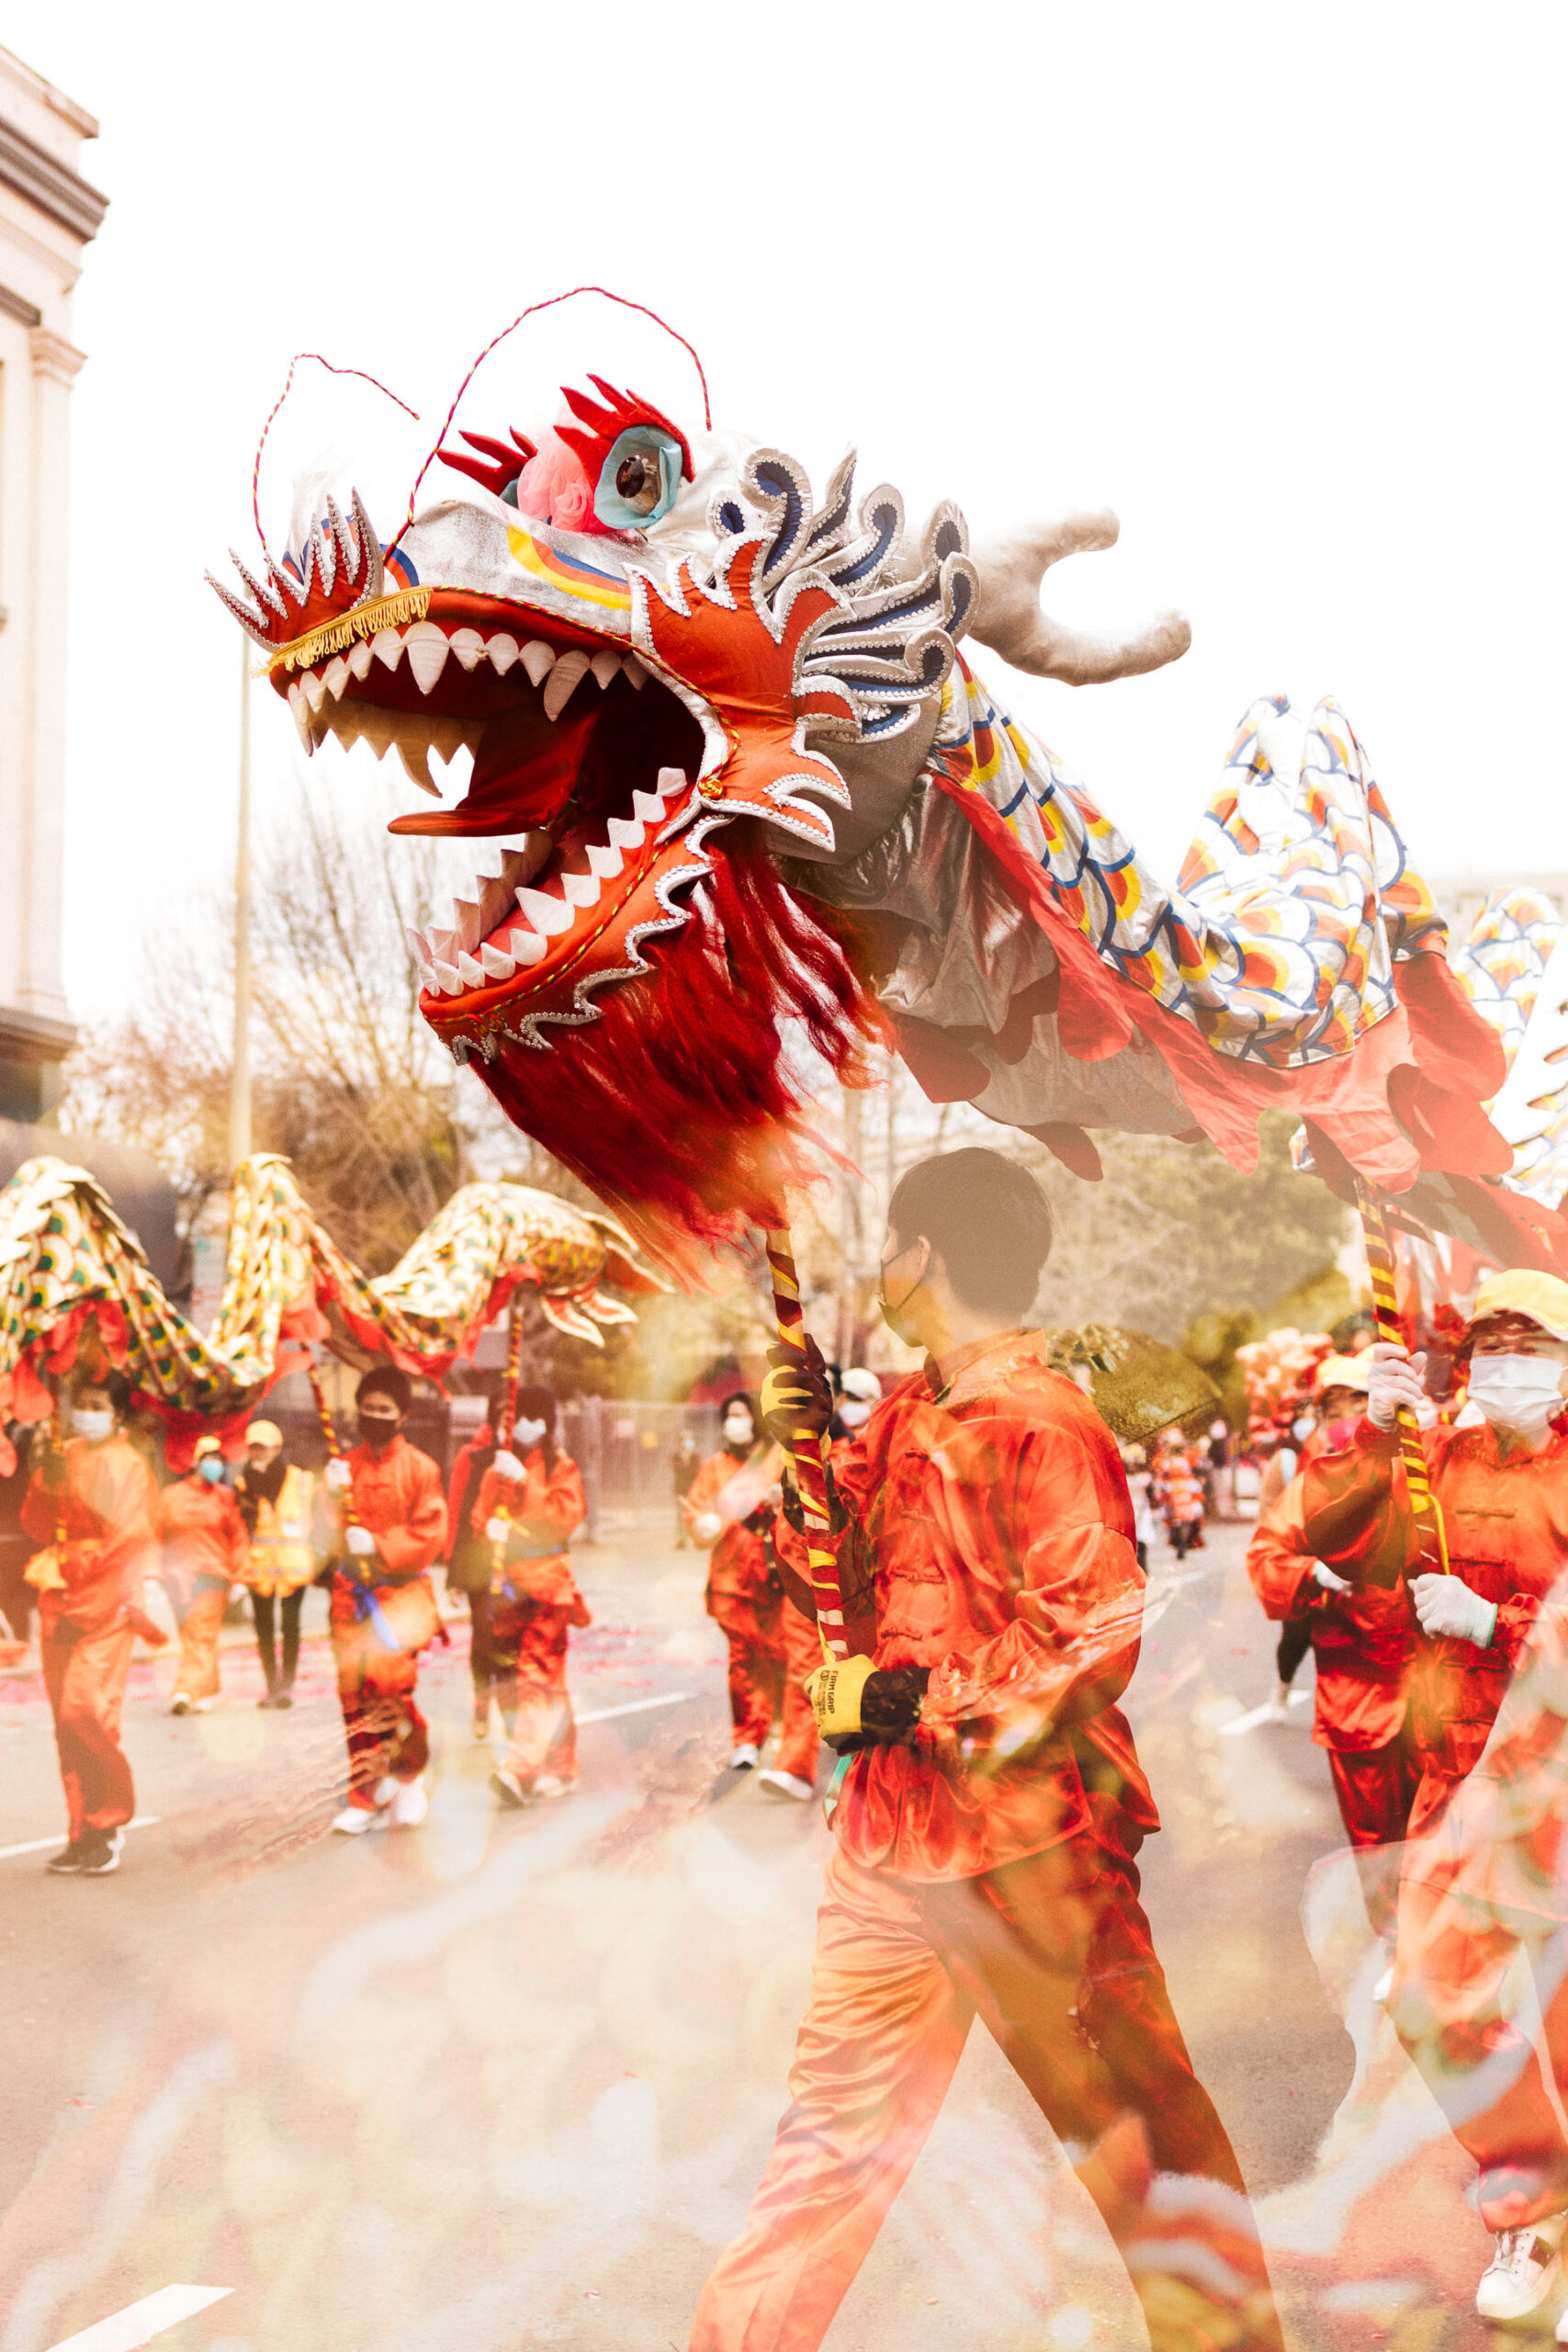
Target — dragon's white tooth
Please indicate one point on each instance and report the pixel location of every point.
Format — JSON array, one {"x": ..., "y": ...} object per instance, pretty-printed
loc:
[
  {"x": 427, "y": 648},
  {"x": 563, "y": 678},
  {"x": 672, "y": 783},
  {"x": 649, "y": 806},
  {"x": 624, "y": 833},
  {"x": 580, "y": 889},
  {"x": 502, "y": 650},
  {"x": 605, "y": 861},
  {"x": 497, "y": 965},
  {"x": 633, "y": 671},
  {"x": 546, "y": 914},
  {"x": 359, "y": 658},
  {"x": 315, "y": 689},
  {"x": 302, "y": 717},
  {"x": 387, "y": 645},
  {"x": 604, "y": 666},
  {"x": 467, "y": 929},
  {"x": 444, "y": 942},
  {"x": 469, "y": 646},
  {"x": 538, "y": 659},
  {"x": 423, "y": 952},
  {"x": 448, "y": 979},
  {"x": 527, "y": 947},
  {"x": 470, "y": 970},
  {"x": 416, "y": 767},
  {"x": 336, "y": 676}
]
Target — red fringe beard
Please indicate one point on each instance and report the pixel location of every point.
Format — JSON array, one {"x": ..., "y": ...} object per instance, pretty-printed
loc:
[{"x": 677, "y": 1107}]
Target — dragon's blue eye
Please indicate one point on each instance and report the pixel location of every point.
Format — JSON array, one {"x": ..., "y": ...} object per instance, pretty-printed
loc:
[{"x": 639, "y": 479}]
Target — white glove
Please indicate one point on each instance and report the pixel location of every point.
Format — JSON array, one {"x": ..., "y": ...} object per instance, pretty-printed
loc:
[
  {"x": 709, "y": 1527},
  {"x": 1327, "y": 1580},
  {"x": 1446, "y": 1606},
  {"x": 498, "y": 1530},
  {"x": 507, "y": 1466},
  {"x": 338, "y": 1475},
  {"x": 1395, "y": 1380},
  {"x": 360, "y": 1541},
  {"x": 294, "y": 1529}
]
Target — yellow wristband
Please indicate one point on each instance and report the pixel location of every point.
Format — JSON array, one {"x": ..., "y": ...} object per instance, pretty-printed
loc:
[{"x": 835, "y": 1695}]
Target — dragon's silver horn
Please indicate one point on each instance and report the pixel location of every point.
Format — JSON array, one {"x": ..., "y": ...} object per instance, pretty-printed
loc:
[{"x": 1010, "y": 622}]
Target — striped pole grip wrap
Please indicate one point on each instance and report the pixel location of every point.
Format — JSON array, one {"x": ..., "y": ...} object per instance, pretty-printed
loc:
[
  {"x": 809, "y": 1458},
  {"x": 329, "y": 1432},
  {"x": 1424, "y": 1503}
]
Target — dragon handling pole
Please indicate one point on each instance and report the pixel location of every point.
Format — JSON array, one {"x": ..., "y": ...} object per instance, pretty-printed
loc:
[
  {"x": 809, "y": 1457},
  {"x": 1424, "y": 1504},
  {"x": 329, "y": 1432}
]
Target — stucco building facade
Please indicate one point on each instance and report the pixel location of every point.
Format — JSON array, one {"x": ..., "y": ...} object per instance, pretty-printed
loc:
[{"x": 48, "y": 214}]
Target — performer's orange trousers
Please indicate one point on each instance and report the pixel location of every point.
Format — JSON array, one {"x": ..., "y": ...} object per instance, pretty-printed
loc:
[
  {"x": 1375, "y": 1791},
  {"x": 385, "y": 1731},
  {"x": 85, "y": 1677},
  {"x": 1053, "y": 1952},
  {"x": 528, "y": 1650},
  {"x": 199, "y": 1629},
  {"x": 1449, "y": 2002},
  {"x": 798, "y": 1736},
  {"x": 769, "y": 1662}
]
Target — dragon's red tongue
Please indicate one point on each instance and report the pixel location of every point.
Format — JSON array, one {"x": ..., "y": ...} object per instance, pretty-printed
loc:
[{"x": 523, "y": 774}]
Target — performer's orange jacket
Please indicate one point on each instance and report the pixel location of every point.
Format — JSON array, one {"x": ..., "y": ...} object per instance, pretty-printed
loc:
[
  {"x": 996, "y": 1517},
  {"x": 399, "y": 1498},
  {"x": 544, "y": 1507},
  {"x": 108, "y": 1509},
  {"x": 203, "y": 1535},
  {"x": 1506, "y": 1525},
  {"x": 1363, "y": 1641},
  {"x": 742, "y": 1596}
]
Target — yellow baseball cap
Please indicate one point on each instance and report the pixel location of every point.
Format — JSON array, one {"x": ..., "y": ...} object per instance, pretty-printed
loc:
[
  {"x": 264, "y": 1434},
  {"x": 1542, "y": 1298},
  {"x": 205, "y": 1445},
  {"x": 1343, "y": 1371}
]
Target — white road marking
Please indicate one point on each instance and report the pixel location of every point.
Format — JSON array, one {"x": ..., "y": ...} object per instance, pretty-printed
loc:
[
  {"x": 634, "y": 1707},
  {"x": 140, "y": 2322},
  {"x": 40, "y": 1845},
  {"x": 1263, "y": 1714}
]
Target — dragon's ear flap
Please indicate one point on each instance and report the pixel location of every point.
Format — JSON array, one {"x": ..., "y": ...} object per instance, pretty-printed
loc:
[{"x": 496, "y": 468}]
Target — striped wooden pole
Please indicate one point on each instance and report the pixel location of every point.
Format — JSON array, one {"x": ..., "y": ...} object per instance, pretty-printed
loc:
[
  {"x": 1424, "y": 1504},
  {"x": 329, "y": 1432},
  {"x": 809, "y": 1458}
]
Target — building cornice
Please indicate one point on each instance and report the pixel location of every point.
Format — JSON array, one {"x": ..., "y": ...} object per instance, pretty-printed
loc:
[
  {"x": 17, "y": 306},
  {"x": 53, "y": 185},
  {"x": 32, "y": 1037},
  {"x": 53, "y": 356}
]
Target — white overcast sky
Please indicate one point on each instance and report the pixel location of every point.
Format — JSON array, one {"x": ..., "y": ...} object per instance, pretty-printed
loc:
[{"x": 1284, "y": 285}]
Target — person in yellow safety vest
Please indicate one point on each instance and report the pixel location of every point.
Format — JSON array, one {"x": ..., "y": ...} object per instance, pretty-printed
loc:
[{"x": 276, "y": 1502}]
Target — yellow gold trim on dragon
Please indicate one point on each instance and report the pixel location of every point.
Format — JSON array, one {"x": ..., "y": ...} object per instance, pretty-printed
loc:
[{"x": 361, "y": 620}]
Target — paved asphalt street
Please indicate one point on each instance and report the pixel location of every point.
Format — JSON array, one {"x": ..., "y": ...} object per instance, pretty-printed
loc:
[{"x": 506, "y": 2081}]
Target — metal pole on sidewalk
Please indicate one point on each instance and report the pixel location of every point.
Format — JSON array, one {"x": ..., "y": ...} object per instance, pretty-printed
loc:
[{"x": 240, "y": 1082}]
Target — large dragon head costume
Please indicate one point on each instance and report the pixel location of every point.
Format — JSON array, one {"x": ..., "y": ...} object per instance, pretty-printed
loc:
[{"x": 747, "y": 802}]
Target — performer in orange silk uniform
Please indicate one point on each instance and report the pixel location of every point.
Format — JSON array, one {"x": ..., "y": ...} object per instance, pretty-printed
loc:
[
  {"x": 990, "y": 1818},
  {"x": 95, "y": 1509},
  {"x": 529, "y": 1504},
  {"x": 1363, "y": 1640},
  {"x": 205, "y": 1550},
  {"x": 1503, "y": 1490},
  {"x": 383, "y": 1610},
  {"x": 728, "y": 1507}
]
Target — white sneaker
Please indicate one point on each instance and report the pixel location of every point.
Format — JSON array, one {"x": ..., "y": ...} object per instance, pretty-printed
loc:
[
  {"x": 202, "y": 1706},
  {"x": 547, "y": 1785},
  {"x": 354, "y": 1821},
  {"x": 508, "y": 1787},
  {"x": 1521, "y": 2274},
  {"x": 410, "y": 1804},
  {"x": 385, "y": 1791},
  {"x": 1280, "y": 1704},
  {"x": 788, "y": 1784},
  {"x": 745, "y": 1758}
]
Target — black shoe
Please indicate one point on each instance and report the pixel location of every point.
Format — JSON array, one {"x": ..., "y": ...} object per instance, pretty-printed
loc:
[
  {"x": 100, "y": 1853},
  {"x": 282, "y": 1699},
  {"x": 268, "y": 1700},
  {"x": 68, "y": 1862}
]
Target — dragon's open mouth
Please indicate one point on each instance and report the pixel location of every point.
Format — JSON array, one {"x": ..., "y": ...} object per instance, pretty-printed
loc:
[{"x": 585, "y": 768}]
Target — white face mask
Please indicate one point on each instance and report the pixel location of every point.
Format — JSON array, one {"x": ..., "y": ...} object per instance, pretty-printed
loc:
[
  {"x": 1519, "y": 1394},
  {"x": 737, "y": 1429},
  {"x": 526, "y": 1434},
  {"x": 93, "y": 1426},
  {"x": 854, "y": 1413}
]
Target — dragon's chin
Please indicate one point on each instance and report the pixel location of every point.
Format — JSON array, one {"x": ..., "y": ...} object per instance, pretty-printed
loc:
[{"x": 679, "y": 1101}]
